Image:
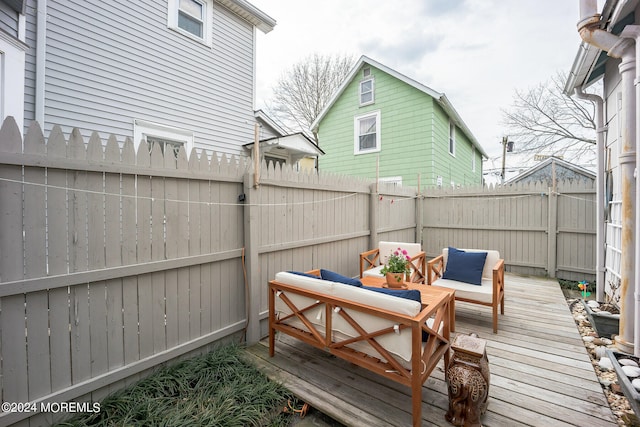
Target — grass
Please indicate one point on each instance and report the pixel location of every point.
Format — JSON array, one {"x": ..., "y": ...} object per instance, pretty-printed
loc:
[{"x": 216, "y": 389}]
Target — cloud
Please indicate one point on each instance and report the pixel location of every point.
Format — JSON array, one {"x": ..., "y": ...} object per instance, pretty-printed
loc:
[
  {"x": 409, "y": 50},
  {"x": 442, "y": 7}
]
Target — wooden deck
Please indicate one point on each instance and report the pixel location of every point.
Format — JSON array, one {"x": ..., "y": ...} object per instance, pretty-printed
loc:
[{"x": 541, "y": 374}]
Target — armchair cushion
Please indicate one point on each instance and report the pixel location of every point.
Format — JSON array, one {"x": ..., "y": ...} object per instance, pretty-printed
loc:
[
  {"x": 464, "y": 266},
  {"x": 339, "y": 278}
]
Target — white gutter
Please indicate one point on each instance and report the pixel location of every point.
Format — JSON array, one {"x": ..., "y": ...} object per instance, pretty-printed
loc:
[
  {"x": 621, "y": 47},
  {"x": 41, "y": 50},
  {"x": 600, "y": 189}
]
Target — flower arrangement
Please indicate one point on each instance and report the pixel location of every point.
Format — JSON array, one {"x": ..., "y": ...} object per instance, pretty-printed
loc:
[{"x": 398, "y": 262}]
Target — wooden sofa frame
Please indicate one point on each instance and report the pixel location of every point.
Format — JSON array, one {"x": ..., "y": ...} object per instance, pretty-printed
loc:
[
  {"x": 436, "y": 346},
  {"x": 435, "y": 269}
]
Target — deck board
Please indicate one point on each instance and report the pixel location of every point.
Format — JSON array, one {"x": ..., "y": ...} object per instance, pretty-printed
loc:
[{"x": 541, "y": 374}]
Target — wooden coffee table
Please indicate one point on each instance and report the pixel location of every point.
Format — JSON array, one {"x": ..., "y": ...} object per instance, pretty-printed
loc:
[{"x": 428, "y": 294}]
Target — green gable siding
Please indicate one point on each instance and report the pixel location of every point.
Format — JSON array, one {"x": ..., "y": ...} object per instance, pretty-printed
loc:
[{"x": 414, "y": 137}]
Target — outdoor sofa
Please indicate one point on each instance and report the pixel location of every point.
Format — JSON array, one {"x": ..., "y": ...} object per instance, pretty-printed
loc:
[{"x": 393, "y": 337}]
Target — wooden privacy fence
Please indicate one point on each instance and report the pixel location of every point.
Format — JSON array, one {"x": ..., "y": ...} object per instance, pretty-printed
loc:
[
  {"x": 114, "y": 261},
  {"x": 538, "y": 230}
]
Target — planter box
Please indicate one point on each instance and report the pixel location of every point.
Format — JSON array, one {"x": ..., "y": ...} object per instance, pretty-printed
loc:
[
  {"x": 604, "y": 325},
  {"x": 625, "y": 383}
]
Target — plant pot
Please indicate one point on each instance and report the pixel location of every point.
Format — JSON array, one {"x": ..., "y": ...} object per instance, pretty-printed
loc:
[
  {"x": 605, "y": 325},
  {"x": 628, "y": 389},
  {"x": 395, "y": 280}
]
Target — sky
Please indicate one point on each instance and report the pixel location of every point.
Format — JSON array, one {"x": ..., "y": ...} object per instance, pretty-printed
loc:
[{"x": 476, "y": 52}]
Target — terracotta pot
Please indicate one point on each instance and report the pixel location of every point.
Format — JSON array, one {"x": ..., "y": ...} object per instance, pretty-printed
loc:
[{"x": 395, "y": 280}]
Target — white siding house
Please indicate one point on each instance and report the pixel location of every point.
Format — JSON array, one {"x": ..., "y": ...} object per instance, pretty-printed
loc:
[
  {"x": 174, "y": 72},
  {"x": 608, "y": 53}
]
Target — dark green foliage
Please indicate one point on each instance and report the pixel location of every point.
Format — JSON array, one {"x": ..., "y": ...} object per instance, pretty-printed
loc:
[{"x": 216, "y": 389}]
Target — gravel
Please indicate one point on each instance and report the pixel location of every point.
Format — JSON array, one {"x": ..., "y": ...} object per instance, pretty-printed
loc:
[{"x": 608, "y": 379}]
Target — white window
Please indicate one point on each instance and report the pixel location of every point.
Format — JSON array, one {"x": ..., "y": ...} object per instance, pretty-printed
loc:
[
  {"x": 192, "y": 18},
  {"x": 162, "y": 137},
  {"x": 367, "y": 133},
  {"x": 12, "y": 66},
  {"x": 452, "y": 138},
  {"x": 366, "y": 92},
  {"x": 473, "y": 158},
  {"x": 395, "y": 180}
]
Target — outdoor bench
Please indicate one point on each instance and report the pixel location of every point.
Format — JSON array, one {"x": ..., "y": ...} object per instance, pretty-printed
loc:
[{"x": 393, "y": 337}]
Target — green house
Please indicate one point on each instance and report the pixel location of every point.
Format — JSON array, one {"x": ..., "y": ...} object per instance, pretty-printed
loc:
[{"x": 383, "y": 124}]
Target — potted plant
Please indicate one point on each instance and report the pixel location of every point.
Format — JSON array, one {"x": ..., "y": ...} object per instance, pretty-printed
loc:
[
  {"x": 397, "y": 268},
  {"x": 604, "y": 317}
]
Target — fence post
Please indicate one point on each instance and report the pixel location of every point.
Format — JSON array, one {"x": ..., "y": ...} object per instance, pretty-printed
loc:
[
  {"x": 373, "y": 216},
  {"x": 552, "y": 233},
  {"x": 251, "y": 234}
]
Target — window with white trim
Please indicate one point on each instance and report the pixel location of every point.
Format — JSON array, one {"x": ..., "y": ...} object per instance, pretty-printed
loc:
[
  {"x": 366, "y": 92},
  {"x": 473, "y": 158},
  {"x": 452, "y": 138},
  {"x": 366, "y": 129},
  {"x": 191, "y": 18},
  {"x": 162, "y": 137},
  {"x": 12, "y": 78}
]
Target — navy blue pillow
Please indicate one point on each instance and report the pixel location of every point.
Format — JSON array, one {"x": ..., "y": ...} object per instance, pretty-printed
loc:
[
  {"x": 465, "y": 266},
  {"x": 339, "y": 278},
  {"x": 411, "y": 294},
  {"x": 300, "y": 273}
]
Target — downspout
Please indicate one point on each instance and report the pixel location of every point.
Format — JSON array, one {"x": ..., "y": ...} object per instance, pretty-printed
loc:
[
  {"x": 41, "y": 53},
  {"x": 600, "y": 190},
  {"x": 620, "y": 47}
]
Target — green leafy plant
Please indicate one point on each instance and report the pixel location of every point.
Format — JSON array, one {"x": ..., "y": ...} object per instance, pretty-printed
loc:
[{"x": 398, "y": 262}]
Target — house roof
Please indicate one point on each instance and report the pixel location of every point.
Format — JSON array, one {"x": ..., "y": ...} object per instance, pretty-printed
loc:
[
  {"x": 252, "y": 14},
  {"x": 441, "y": 98},
  {"x": 295, "y": 143},
  {"x": 546, "y": 163},
  {"x": 590, "y": 61},
  {"x": 264, "y": 118}
]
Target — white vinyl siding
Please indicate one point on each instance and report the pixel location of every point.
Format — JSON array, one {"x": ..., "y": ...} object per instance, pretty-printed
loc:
[{"x": 109, "y": 63}]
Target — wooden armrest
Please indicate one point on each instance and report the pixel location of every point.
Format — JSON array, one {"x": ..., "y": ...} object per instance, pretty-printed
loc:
[
  {"x": 435, "y": 269},
  {"x": 418, "y": 265},
  {"x": 315, "y": 272},
  {"x": 498, "y": 278},
  {"x": 370, "y": 258}
]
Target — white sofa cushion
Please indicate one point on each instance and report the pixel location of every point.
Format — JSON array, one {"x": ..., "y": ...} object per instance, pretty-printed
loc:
[
  {"x": 483, "y": 293},
  {"x": 315, "y": 316},
  {"x": 398, "y": 344}
]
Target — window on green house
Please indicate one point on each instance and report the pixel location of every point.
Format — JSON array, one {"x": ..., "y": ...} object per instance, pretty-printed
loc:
[
  {"x": 367, "y": 133},
  {"x": 473, "y": 158},
  {"x": 366, "y": 92},
  {"x": 452, "y": 138}
]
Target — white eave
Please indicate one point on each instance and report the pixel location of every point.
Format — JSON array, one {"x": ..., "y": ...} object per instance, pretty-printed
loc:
[
  {"x": 250, "y": 13},
  {"x": 297, "y": 143},
  {"x": 439, "y": 97}
]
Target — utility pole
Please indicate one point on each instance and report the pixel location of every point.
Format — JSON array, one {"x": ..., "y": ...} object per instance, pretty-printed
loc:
[
  {"x": 504, "y": 155},
  {"x": 507, "y": 147}
]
